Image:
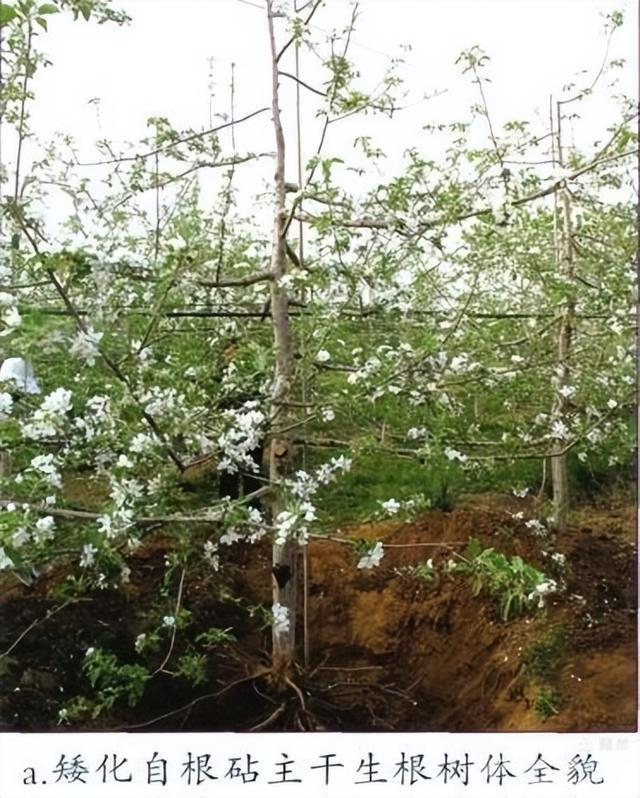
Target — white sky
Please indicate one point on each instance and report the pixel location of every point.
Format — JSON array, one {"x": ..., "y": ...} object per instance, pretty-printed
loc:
[{"x": 158, "y": 65}]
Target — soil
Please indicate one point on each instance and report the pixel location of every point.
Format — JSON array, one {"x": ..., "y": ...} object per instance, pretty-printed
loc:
[{"x": 387, "y": 650}]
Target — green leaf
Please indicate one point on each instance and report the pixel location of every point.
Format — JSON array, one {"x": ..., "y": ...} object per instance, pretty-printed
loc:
[
  {"x": 48, "y": 8},
  {"x": 7, "y": 13},
  {"x": 42, "y": 22}
]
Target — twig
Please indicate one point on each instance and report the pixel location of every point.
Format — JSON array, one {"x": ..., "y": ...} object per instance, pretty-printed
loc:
[
  {"x": 193, "y": 703},
  {"x": 175, "y": 143},
  {"x": 232, "y": 282},
  {"x": 302, "y": 83},
  {"x": 268, "y": 721},
  {"x": 49, "y": 614},
  {"x": 285, "y": 47},
  {"x": 174, "y": 631},
  {"x": 85, "y": 515}
]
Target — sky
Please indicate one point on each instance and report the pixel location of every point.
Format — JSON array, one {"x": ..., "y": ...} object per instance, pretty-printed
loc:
[{"x": 106, "y": 81}]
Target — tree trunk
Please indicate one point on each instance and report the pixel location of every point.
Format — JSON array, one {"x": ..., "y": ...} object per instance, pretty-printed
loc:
[
  {"x": 559, "y": 471},
  {"x": 280, "y": 453}
]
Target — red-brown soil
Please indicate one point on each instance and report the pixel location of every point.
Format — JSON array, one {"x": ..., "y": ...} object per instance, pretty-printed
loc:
[{"x": 387, "y": 650}]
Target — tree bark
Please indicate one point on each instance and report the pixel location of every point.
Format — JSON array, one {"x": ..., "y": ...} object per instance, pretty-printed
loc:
[
  {"x": 279, "y": 451},
  {"x": 559, "y": 470}
]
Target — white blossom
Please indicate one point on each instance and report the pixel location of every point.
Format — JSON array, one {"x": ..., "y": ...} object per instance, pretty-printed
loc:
[
  {"x": 372, "y": 558},
  {"x": 20, "y": 537},
  {"x": 230, "y": 536},
  {"x": 115, "y": 523},
  {"x": 323, "y": 356},
  {"x": 6, "y": 405},
  {"x": 327, "y": 414},
  {"x": 5, "y": 560},
  {"x": 168, "y": 620},
  {"x": 520, "y": 493},
  {"x": 88, "y": 555},
  {"x": 594, "y": 435},
  {"x": 57, "y": 402},
  {"x": 391, "y": 506},
  {"x": 453, "y": 454},
  {"x": 542, "y": 590},
  {"x": 537, "y": 527},
  {"x": 44, "y": 529},
  {"x": 280, "y": 615},
  {"x": 211, "y": 554},
  {"x": 11, "y": 320},
  {"x": 141, "y": 442},
  {"x": 559, "y": 430},
  {"x": 243, "y": 435},
  {"x": 163, "y": 402},
  {"x": 85, "y": 345},
  {"x": 45, "y": 465},
  {"x": 125, "y": 490},
  {"x": 285, "y": 524}
]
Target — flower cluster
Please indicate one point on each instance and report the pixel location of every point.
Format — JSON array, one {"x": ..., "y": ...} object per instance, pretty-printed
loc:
[
  {"x": 250, "y": 527},
  {"x": 301, "y": 512},
  {"x": 241, "y": 438},
  {"x": 49, "y": 419},
  {"x": 537, "y": 527},
  {"x": 372, "y": 557},
  {"x": 85, "y": 345},
  {"x": 120, "y": 520},
  {"x": 163, "y": 402},
  {"x": 98, "y": 418},
  {"x": 45, "y": 465},
  {"x": 6, "y": 405},
  {"x": 454, "y": 454},
  {"x": 542, "y": 590},
  {"x": 280, "y": 618},
  {"x": 10, "y": 318}
]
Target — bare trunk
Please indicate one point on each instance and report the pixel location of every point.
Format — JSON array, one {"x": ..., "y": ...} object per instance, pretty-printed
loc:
[
  {"x": 280, "y": 454},
  {"x": 559, "y": 471}
]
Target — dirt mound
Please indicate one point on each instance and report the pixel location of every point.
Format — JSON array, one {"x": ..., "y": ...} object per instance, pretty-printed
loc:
[
  {"x": 390, "y": 648},
  {"x": 449, "y": 651}
]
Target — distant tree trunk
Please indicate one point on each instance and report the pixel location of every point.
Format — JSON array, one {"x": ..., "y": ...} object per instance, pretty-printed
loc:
[
  {"x": 5, "y": 463},
  {"x": 562, "y": 379},
  {"x": 280, "y": 453}
]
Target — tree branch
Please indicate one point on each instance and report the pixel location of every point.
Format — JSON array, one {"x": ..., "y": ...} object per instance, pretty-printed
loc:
[{"x": 185, "y": 140}]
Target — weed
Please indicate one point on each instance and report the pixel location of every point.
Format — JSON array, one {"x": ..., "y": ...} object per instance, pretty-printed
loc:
[
  {"x": 542, "y": 657},
  {"x": 113, "y": 681},
  {"x": 516, "y": 584},
  {"x": 548, "y": 702},
  {"x": 422, "y": 570}
]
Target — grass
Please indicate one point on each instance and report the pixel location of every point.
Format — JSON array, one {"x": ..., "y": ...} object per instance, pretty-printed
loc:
[
  {"x": 542, "y": 658},
  {"x": 374, "y": 479},
  {"x": 548, "y": 703}
]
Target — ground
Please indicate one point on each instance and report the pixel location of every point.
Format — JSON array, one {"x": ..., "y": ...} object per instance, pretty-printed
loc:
[{"x": 387, "y": 650}]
